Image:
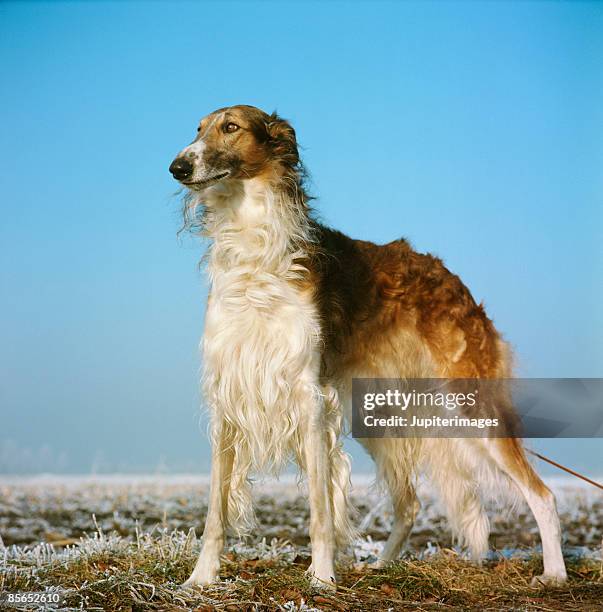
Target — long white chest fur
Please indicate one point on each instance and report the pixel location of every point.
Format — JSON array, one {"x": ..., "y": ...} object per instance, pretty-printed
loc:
[{"x": 261, "y": 329}]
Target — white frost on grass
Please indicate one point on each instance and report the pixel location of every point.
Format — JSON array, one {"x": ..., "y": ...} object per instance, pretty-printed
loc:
[{"x": 143, "y": 508}]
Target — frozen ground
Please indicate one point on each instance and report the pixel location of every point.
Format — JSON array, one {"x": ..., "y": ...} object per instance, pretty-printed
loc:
[
  {"x": 59, "y": 510},
  {"x": 48, "y": 523}
]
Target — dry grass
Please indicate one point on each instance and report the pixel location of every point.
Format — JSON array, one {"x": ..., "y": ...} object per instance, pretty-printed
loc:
[
  {"x": 114, "y": 574},
  {"x": 134, "y": 557}
]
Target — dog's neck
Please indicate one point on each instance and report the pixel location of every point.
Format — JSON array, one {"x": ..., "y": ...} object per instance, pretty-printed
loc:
[{"x": 255, "y": 225}]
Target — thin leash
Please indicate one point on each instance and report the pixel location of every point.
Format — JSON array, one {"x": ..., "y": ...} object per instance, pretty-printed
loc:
[{"x": 566, "y": 469}]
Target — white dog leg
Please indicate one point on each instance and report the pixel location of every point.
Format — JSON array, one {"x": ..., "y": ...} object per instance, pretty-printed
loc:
[
  {"x": 322, "y": 530},
  {"x": 208, "y": 565}
]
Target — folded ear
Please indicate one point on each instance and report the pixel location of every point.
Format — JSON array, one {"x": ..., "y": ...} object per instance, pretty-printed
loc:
[{"x": 282, "y": 137}]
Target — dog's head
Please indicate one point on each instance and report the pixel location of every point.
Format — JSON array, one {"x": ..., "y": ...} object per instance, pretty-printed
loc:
[{"x": 237, "y": 142}]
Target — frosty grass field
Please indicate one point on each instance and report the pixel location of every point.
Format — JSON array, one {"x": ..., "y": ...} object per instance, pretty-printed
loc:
[{"x": 127, "y": 542}]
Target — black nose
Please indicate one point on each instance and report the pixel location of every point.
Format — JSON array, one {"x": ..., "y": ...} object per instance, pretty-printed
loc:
[{"x": 181, "y": 168}]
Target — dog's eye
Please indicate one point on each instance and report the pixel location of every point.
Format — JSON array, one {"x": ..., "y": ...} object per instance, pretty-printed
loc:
[
  {"x": 198, "y": 129},
  {"x": 229, "y": 128}
]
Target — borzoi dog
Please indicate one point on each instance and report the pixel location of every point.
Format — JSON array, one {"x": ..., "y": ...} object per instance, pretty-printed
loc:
[{"x": 296, "y": 310}]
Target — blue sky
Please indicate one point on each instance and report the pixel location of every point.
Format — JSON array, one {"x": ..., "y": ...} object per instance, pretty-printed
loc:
[{"x": 473, "y": 129}]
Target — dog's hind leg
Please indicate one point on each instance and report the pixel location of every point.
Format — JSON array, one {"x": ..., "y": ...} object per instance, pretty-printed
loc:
[
  {"x": 508, "y": 454},
  {"x": 406, "y": 506},
  {"x": 396, "y": 473},
  {"x": 208, "y": 565},
  {"x": 453, "y": 474}
]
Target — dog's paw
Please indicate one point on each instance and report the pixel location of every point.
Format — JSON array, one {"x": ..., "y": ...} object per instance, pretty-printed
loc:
[
  {"x": 192, "y": 587},
  {"x": 539, "y": 582},
  {"x": 320, "y": 584},
  {"x": 197, "y": 582},
  {"x": 206, "y": 571}
]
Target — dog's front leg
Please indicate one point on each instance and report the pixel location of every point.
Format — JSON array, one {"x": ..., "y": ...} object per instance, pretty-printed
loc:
[
  {"x": 322, "y": 531},
  {"x": 208, "y": 565}
]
